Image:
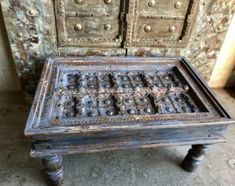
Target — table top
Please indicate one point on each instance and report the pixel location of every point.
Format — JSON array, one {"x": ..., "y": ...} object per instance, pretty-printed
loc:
[{"x": 82, "y": 94}]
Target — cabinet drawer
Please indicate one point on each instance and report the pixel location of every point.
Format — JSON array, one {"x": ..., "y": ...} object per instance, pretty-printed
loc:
[
  {"x": 104, "y": 7},
  {"x": 172, "y": 8},
  {"x": 93, "y": 29},
  {"x": 89, "y": 23},
  {"x": 160, "y": 23},
  {"x": 159, "y": 28}
]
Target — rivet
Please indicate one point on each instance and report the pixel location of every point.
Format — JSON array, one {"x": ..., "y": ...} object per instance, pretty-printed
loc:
[
  {"x": 172, "y": 29},
  {"x": 79, "y": 2},
  {"x": 91, "y": 114},
  {"x": 177, "y": 5},
  {"x": 19, "y": 34},
  {"x": 125, "y": 86},
  {"x": 107, "y": 1},
  {"x": 124, "y": 78},
  {"x": 143, "y": 100},
  {"x": 129, "y": 101},
  {"x": 37, "y": 53},
  {"x": 151, "y": 3},
  {"x": 147, "y": 28},
  {"x": 31, "y": 12},
  {"x": 147, "y": 110},
  {"x": 78, "y": 27},
  {"x": 131, "y": 111},
  {"x": 107, "y": 27},
  {"x": 107, "y": 102},
  {"x": 110, "y": 113}
]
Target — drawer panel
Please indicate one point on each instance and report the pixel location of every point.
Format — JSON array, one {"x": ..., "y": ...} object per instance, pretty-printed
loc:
[
  {"x": 159, "y": 28},
  {"x": 93, "y": 6},
  {"x": 92, "y": 27},
  {"x": 160, "y": 23},
  {"x": 89, "y": 23},
  {"x": 164, "y": 7}
]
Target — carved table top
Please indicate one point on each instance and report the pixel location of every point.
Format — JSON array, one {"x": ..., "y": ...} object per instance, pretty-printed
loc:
[{"x": 82, "y": 94}]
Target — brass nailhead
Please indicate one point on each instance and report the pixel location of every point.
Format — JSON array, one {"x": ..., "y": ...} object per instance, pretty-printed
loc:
[
  {"x": 172, "y": 29},
  {"x": 32, "y": 12},
  {"x": 108, "y": 27},
  {"x": 147, "y": 28},
  {"x": 151, "y": 3},
  {"x": 19, "y": 34},
  {"x": 107, "y": 1},
  {"x": 78, "y": 27},
  {"x": 79, "y": 2},
  {"x": 177, "y": 5}
]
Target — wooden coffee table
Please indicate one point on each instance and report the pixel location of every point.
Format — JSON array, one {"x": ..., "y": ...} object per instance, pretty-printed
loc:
[{"x": 92, "y": 104}]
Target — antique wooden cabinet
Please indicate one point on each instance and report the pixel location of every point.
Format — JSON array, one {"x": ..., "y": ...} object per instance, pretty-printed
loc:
[
  {"x": 90, "y": 104},
  {"x": 124, "y": 23}
]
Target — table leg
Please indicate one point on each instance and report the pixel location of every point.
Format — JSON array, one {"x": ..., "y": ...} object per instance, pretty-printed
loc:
[
  {"x": 194, "y": 157},
  {"x": 54, "y": 169}
]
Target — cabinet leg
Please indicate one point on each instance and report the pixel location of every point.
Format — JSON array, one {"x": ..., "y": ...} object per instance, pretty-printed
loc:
[
  {"x": 194, "y": 157},
  {"x": 54, "y": 169}
]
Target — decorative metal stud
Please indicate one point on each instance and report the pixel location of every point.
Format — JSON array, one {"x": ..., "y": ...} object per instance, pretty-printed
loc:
[
  {"x": 32, "y": 12},
  {"x": 139, "y": 85},
  {"x": 107, "y": 27},
  {"x": 124, "y": 78},
  {"x": 147, "y": 28},
  {"x": 19, "y": 34},
  {"x": 78, "y": 27},
  {"x": 172, "y": 29},
  {"x": 143, "y": 100},
  {"x": 147, "y": 110},
  {"x": 131, "y": 111},
  {"x": 125, "y": 86},
  {"x": 79, "y": 2},
  {"x": 110, "y": 113},
  {"x": 151, "y": 3},
  {"x": 129, "y": 101},
  {"x": 91, "y": 114},
  {"x": 107, "y": 102},
  {"x": 107, "y": 1},
  {"x": 177, "y": 5}
]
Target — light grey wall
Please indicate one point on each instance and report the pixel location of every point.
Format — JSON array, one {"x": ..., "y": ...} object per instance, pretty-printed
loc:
[{"x": 8, "y": 78}]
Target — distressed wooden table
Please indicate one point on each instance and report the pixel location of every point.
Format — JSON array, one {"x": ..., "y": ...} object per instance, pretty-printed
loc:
[{"x": 92, "y": 104}]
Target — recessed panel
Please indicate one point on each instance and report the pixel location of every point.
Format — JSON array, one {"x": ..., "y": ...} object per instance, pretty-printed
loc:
[
  {"x": 160, "y": 23},
  {"x": 87, "y": 23}
]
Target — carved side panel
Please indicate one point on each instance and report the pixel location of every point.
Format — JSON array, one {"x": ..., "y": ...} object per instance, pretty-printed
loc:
[
  {"x": 160, "y": 23},
  {"x": 32, "y": 37},
  {"x": 89, "y": 23}
]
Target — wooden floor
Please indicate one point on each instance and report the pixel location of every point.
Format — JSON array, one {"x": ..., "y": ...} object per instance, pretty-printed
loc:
[{"x": 139, "y": 167}]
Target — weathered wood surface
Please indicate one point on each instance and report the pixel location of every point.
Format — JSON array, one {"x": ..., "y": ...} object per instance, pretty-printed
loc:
[
  {"x": 125, "y": 139},
  {"x": 46, "y": 118}
]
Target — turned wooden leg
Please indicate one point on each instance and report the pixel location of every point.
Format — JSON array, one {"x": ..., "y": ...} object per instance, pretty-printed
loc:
[
  {"x": 54, "y": 169},
  {"x": 194, "y": 157}
]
